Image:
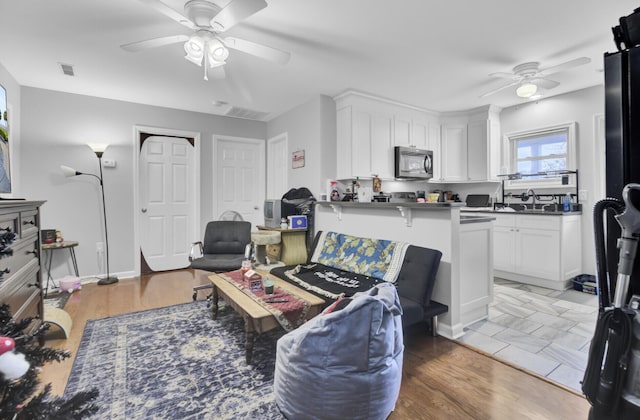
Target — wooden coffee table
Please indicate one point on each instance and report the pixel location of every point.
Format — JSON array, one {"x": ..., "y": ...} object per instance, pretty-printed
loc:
[{"x": 256, "y": 318}]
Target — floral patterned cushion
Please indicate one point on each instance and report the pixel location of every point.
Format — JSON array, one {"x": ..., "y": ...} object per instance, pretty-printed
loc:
[{"x": 378, "y": 258}]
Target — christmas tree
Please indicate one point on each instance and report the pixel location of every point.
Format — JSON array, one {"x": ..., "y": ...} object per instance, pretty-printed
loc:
[{"x": 20, "y": 358}]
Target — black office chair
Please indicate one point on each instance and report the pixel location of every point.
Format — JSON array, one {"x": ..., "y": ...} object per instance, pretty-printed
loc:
[{"x": 223, "y": 248}]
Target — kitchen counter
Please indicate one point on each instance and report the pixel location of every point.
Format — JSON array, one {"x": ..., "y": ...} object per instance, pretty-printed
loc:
[
  {"x": 408, "y": 204},
  {"x": 464, "y": 281},
  {"x": 538, "y": 212}
]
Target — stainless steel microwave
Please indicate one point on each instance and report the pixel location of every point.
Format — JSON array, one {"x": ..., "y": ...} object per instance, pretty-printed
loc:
[{"x": 412, "y": 163}]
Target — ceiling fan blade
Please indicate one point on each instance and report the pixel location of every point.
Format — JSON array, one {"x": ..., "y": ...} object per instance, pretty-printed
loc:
[
  {"x": 153, "y": 43},
  {"x": 505, "y": 75},
  {"x": 259, "y": 50},
  {"x": 169, "y": 12},
  {"x": 565, "y": 66},
  {"x": 236, "y": 11},
  {"x": 544, "y": 83},
  {"x": 491, "y": 92}
]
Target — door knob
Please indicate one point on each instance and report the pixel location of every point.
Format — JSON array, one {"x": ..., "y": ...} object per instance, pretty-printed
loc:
[
  {"x": 144, "y": 210},
  {"x": 256, "y": 208}
]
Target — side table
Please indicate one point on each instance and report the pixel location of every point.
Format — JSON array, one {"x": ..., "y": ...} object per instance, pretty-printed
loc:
[
  {"x": 294, "y": 244},
  {"x": 70, "y": 245}
]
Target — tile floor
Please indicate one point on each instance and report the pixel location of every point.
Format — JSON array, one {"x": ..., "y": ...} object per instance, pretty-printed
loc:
[{"x": 542, "y": 330}]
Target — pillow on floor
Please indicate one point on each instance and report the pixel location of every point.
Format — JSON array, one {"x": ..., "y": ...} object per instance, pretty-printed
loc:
[{"x": 344, "y": 363}]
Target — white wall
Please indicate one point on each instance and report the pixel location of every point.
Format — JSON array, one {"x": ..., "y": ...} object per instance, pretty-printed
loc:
[
  {"x": 581, "y": 106},
  {"x": 55, "y": 130},
  {"x": 310, "y": 127}
]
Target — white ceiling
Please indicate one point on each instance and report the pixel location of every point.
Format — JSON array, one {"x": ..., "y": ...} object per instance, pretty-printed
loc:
[{"x": 432, "y": 54}]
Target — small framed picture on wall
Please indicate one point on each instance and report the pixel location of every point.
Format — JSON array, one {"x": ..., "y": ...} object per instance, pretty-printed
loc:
[{"x": 297, "y": 159}]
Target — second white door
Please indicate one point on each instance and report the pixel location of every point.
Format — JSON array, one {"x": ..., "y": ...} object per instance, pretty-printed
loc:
[{"x": 239, "y": 177}]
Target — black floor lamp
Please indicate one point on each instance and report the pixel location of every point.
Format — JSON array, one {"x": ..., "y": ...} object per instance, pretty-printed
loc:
[{"x": 98, "y": 149}]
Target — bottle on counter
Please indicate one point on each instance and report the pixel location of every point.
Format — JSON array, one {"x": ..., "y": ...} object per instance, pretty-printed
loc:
[
  {"x": 377, "y": 184},
  {"x": 567, "y": 204},
  {"x": 355, "y": 186}
]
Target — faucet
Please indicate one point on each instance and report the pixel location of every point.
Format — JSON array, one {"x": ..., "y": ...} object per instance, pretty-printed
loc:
[{"x": 532, "y": 194}]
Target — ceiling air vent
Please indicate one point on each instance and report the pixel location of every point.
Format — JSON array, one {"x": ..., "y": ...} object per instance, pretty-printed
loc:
[
  {"x": 67, "y": 69},
  {"x": 247, "y": 114}
]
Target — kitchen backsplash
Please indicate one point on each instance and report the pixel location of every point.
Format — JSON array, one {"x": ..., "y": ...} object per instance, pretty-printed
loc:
[
  {"x": 461, "y": 189},
  {"x": 491, "y": 188}
]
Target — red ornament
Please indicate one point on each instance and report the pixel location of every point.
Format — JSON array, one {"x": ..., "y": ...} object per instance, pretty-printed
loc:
[{"x": 6, "y": 344}]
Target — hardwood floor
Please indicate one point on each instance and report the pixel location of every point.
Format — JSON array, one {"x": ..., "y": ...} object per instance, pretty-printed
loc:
[{"x": 441, "y": 379}]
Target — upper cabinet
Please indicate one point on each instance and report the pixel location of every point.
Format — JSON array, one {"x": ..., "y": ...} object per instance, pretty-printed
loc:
[
  {"x": 465, "y": 145},
  {"x": 368, "y": 128},
  {"x": 454, "y": 153},
  {"x": 470, "y": 146}
]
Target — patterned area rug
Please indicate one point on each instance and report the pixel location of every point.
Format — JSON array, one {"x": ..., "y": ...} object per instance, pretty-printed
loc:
[{"x": 176, "y": 362}]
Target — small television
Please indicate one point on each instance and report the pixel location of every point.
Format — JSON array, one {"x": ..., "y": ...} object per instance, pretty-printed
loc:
[{"x": 272, "y": 212}]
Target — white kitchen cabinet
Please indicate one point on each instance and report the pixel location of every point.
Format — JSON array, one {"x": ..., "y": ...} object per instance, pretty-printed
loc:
[
  {"x": 434, "y": 144},
  {"x": 470, "y": 146},
  {"x": 477, "y": 150},
  {"x": 344, "y": 136},
  {"x": 364, "y": 144},
  {"x": 369, "y": 128},
  {"x": 361, "y": 143},
  {"x": 504, "y": 254},
  {"x": 543, "y": 250},
  {"x": 420, "y": 134},
  {"x": 382, "y": 159},
  {"x": 454, "y": 153},
  {"x": 402, "y": 131}
]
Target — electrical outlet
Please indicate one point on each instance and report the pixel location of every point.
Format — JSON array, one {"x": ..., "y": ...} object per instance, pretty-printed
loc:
[
  {"x": 99, "y": 247},
  {"x": 109, "y": 163}
]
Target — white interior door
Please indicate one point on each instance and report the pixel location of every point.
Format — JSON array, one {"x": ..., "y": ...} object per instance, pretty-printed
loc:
[
  {"x": 167, "y": 201},
  {"x": 277, "y": 166},
  {"x": 239, "y": 177}
]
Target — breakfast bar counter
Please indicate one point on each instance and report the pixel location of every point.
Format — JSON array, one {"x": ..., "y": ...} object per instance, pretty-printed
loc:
[{"x": 465, "y": 277}]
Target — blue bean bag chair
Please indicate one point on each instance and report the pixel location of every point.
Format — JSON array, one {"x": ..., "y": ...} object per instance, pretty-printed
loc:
[{"x": 345, "y": 362}]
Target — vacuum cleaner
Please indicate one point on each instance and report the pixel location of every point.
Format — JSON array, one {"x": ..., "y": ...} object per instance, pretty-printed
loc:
[{"x": 611, "y": 381}]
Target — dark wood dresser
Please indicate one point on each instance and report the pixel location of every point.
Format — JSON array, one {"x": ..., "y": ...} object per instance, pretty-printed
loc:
[{"x": 20, "y": 268}]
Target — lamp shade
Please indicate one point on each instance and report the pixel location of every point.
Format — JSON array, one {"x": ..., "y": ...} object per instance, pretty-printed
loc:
[
  {"x": 68, "y": 172},
  {"x": 98, "y": 148},
  {"x": 526, "y": 90}
]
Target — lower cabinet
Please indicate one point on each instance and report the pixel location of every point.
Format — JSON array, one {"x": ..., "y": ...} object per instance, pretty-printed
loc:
[{"x": 543, "y": 250}]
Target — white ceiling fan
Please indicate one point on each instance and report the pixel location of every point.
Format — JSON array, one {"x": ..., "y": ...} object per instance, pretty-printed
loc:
[
  {"x": 208, "y": 21},
  {"x": 529, "y": 77}
]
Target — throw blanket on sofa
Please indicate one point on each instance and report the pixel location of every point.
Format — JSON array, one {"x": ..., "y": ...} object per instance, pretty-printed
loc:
[
  {"x": 376, "y": 258},
  {"x": 326, "y": 281}
]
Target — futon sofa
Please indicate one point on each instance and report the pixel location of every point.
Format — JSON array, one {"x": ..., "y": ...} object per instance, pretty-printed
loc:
[{"x": 341, "y": 265}]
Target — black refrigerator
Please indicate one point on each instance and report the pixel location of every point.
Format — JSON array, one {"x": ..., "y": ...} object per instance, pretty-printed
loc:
[{"x": 622, "y": 132}]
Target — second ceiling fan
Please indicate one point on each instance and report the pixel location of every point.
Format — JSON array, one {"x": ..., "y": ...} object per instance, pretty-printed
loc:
[
  {"x": 529, "y": 77},
  {"x": 205, "y": 47}
]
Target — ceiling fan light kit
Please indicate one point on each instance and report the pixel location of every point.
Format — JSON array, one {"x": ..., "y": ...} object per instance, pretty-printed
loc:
[
  {"x": 526, "y": 90},
  {"x": 197, "y": 46}
]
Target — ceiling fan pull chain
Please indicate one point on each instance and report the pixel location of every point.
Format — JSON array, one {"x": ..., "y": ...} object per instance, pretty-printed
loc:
[{"x": 206, "y": 60}]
